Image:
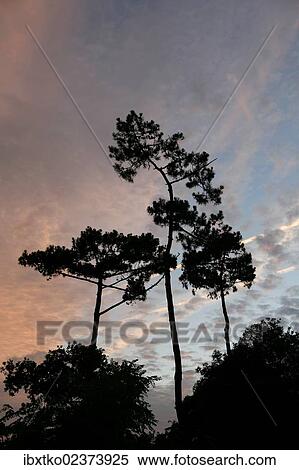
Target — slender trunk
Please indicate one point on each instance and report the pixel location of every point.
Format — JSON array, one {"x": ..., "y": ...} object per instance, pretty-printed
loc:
[
  {"x": 175, "y": 348},
  {"x": 171, "y": 317},
  {"x": 226, "y": 319},
  {"x": 178, "y": 375},
  {"x": 96, "y": 314},
  {"x": 171, "y": 313}
]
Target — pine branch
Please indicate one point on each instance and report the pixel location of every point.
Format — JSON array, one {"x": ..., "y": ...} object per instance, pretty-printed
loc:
[
  {"x": 78, "y": 277},
  {"x": 190, "y": 174},
  {"x": 123, "y": 301},
  {"x": 111, "y": 286}
]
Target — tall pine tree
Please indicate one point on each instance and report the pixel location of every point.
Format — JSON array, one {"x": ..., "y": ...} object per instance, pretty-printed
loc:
[
  {"x": 140, "y": 144},
  {"x": 107, "y": 260},
  {"x": 215, "y": 259}
]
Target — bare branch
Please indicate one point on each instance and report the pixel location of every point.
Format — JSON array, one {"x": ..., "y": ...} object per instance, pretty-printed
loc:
[
  {"x": 113, "y": 287},
  {"x": 187, "y": 176},
  {"x": 123, "y": 301},
  {"x": 112, "y": 306},
  {"x": 131, "y": 271},
  {"x": 78, "y": 277},
  {"x": 155, "y": 283},
  {"x": 118, "y": 280},
  {"x": 187, "y": 232}
]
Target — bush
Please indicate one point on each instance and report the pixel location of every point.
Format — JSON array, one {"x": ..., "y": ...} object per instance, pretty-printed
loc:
[
  {"x": 246, "y": 400},
  {"x": 77, "y": 398}
]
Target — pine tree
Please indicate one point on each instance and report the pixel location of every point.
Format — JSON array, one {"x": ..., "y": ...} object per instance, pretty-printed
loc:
[
  {"x": 215, "y": 259},
  {"x": 140, "y": 144},
  {"x": 107, "y": 260}
]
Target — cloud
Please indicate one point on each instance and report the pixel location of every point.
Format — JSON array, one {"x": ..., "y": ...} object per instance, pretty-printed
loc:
[
  {"x": 250, "y": 239},
  {"x": 177, "y": 65},
  {"x": 293, "y": 291},
  {"x": 289, "y": 269}
]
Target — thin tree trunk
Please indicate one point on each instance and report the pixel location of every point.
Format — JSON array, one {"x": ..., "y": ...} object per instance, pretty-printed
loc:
[
  {"x": 226, "y": 319},
  {"x": 178, "y": 375},
  {"x": 96, "y": 315},
  {"x": 175, "y": 348},
  {"x": 171, "y": 313}
]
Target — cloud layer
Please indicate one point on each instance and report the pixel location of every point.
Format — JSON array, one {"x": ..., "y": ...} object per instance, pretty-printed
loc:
[{"x": 177, "y": 64}]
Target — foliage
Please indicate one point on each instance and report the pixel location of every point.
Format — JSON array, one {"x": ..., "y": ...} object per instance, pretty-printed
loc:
[
  {"x": 215, "y": 257},
  {"x": 77, "y": 398},
  {"x": 142, "y": 144},
  {"x": 96, "y": 255},
  {"x": 247, "y": 400}
]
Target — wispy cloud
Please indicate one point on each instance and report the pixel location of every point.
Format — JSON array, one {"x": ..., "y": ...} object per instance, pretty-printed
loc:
[
  {"x": 289, "y": 269},
  {"x": 177, "y": 65}
]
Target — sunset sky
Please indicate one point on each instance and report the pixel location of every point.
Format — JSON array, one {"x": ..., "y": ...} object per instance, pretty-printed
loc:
[{"x": 178, "y": 63}]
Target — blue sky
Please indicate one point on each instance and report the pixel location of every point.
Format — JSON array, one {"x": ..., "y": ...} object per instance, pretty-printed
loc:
[{"x": 177, "y": 62}]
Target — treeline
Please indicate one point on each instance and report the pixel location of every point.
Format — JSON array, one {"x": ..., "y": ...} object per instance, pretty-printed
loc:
[{"x": 78, "y": 399}]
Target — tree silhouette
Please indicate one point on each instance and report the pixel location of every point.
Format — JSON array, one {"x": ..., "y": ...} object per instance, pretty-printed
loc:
[
  {"x": 259, "y": 385},
  {"x": 126, "y": 262},
  {"x": 141, "y": 144},
  {"x": 77, "y": 398},
  {"x": 215, "y": 259}
]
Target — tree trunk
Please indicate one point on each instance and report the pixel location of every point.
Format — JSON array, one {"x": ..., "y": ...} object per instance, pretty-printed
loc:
[
  {"x": 171, "y": 317},
  {"x": 226, "y": 319},
  {"x": 96, "y": 315},
  {"x": 170, "y": 307},
  {"x": 175, "y": 348}
]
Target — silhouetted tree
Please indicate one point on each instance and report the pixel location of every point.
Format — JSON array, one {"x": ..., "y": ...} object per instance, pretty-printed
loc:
[
  {"x": 259, "y": 384},
  {"x": 77, "y": 398},
  {"x": 97, "y": 257},
  {"x": 141, "y": 144},
  {"x": 215, "y": 259}
]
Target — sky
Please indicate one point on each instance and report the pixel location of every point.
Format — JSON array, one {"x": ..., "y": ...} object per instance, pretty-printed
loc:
[{"x": 179, "y": 64}]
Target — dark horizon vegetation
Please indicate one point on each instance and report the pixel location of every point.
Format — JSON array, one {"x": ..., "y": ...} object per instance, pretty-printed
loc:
[
  {"x": 77, "y": 388},
  {"x": 248, "y": 399}
]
